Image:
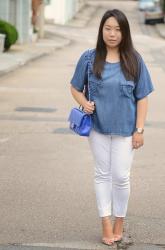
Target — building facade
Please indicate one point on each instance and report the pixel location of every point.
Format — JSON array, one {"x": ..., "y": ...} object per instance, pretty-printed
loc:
[
  {"x": 61, "y": 11},
  {"x": 18, "y": 13}
]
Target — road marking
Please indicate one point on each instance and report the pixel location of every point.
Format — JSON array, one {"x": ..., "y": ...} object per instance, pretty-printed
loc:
[{"x": 81, "y": 245}]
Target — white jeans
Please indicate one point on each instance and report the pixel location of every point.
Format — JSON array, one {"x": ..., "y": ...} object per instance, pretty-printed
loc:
[{"x": 113, "y": 157}]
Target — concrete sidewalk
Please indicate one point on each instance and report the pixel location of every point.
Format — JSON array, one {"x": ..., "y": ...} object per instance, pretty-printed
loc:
[{"x": 19, "y": 55}]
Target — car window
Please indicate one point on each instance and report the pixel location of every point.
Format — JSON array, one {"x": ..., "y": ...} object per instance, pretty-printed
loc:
[{"x": 147, "y": 1}]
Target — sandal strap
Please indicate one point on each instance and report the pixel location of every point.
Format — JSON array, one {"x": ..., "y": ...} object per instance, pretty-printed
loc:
[
  {"x": 108, "y": 239},
  {"x": 117, "y": 237}
]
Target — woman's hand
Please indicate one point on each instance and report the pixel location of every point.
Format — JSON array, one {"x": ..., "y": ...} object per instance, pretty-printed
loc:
[
  {"x": 89, "y": 107},
  {"x": 137, "y": 140}
]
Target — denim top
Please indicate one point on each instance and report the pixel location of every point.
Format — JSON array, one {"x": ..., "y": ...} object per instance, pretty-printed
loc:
[{"x": 115, "y": 97}]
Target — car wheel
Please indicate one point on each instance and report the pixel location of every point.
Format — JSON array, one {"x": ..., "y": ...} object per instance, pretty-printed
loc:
[
  {"x": 162, "y": 20},
  {"x": 146, "y": 22}
]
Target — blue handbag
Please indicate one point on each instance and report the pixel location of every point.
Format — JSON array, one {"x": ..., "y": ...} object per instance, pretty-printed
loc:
[{"x": 81, "y": 122}]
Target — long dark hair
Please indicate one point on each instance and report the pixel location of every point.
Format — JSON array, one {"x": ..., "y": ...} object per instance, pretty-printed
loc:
[{"x": 128, "y": 55}]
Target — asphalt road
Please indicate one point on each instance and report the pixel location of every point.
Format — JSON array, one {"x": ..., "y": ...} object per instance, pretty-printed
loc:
[{"x": 46, "y": 182}]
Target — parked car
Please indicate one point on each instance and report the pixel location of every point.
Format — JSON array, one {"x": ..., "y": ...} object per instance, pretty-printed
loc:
[
  {"x": 154, "y": 15},
  {"x": 145, "y": 4}
]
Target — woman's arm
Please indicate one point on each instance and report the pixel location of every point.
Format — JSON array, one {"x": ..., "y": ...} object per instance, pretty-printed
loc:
[
  {"x": 141, "y": 112},
  {"x": 137, "y": 139},
  {"x": 81, "y": 99}
]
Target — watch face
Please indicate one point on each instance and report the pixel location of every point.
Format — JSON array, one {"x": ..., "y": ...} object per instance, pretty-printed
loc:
[{"x": 140, "y": 130}]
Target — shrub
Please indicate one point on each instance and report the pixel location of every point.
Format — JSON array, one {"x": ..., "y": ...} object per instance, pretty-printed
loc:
[{"x": 11, "y": 33}]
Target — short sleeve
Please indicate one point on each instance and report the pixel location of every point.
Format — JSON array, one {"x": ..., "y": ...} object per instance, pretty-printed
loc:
[
  {"x": 80, "y": 75},
  {"x": 144, "y": 85}
]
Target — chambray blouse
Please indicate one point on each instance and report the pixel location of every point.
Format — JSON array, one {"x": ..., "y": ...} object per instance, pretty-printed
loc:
[{"x": 115, "y": 97}]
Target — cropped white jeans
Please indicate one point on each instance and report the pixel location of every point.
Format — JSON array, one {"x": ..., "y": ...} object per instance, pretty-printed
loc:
[{"x": 113, "y": 156}]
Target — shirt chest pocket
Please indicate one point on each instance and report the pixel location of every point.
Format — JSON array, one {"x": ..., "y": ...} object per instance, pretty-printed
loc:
[{"x": 126, "y": 88}]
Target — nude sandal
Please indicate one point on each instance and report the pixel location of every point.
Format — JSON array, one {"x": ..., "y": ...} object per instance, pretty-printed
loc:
[
  {"x": 118, "y": 237},
  {"x": 107, "y": 241}
]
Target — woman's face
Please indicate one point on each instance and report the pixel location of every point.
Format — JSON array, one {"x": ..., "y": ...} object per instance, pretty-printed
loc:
[{"x": 111, "y": 33}]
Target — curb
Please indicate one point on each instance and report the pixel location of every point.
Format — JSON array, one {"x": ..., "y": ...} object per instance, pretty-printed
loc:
[
  {"x": 11, "y": 69},
  {"x": 81, "y": 20},
  {"x": 160, "y": 28},
  {"x": 21, "y": 62}
]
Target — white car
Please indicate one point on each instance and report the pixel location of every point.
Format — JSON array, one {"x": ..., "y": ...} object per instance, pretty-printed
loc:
[
  {"x": 146, "y": 4},
  {"x": 154, "y": 15}
]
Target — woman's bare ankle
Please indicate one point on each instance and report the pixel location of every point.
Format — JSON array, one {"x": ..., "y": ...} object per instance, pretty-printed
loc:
[
  {"x": 118, "y": 225},
  {"x": 107, "y": 227}
]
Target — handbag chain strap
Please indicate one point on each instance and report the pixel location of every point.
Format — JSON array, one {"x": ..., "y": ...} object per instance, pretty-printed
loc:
[
  {"x": 89, "y": 95},
  {"x": 88, "y": 65}
]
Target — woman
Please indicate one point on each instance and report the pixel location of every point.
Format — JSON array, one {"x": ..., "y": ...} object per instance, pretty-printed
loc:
[{"x": 119, "y": 83}]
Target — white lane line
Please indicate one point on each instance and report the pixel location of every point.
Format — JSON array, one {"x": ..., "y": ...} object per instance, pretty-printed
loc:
[{"x": 68, "y": 245}]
